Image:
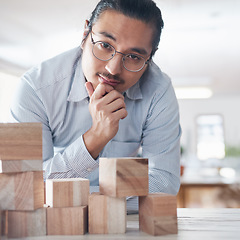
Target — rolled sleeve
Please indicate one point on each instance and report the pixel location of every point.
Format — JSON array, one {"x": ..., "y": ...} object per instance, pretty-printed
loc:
[{"x": 79, "y": 159}]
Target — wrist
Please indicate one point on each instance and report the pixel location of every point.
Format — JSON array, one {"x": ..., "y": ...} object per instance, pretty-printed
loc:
[{"x": 94, "y": 142}]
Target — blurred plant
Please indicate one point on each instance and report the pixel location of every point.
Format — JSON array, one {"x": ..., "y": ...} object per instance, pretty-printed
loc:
[
  {"x": 182, "y": 150},
  {"x": 232, "y": 151}
]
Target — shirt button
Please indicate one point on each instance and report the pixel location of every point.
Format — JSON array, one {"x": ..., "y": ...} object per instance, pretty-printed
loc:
[{"x": 89, "y": 169}]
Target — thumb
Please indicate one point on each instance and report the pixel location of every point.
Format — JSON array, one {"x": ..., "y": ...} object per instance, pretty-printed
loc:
[{"x": 89, "y": 88}]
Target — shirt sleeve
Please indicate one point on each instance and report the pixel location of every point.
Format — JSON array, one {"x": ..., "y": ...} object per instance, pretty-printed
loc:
[
  {"x": 74, "y": 161},
  {"x": 161, "y": 143}
]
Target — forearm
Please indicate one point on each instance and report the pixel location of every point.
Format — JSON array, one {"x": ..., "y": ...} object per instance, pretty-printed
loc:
[
  {"x": 163, "y": 181},
  {"x": 74, "y": 161}
]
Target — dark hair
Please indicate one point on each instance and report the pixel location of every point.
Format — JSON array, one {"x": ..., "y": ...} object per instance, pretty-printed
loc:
[{"x": 144, "y": 10}]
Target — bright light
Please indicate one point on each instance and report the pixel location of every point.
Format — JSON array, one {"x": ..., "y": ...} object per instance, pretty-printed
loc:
[
  {"x": 227, "y": 172},
  {"x": 193, "y": 92},
  {"x": 210, "y": 149},
  {"x": 8, "y": 85}
]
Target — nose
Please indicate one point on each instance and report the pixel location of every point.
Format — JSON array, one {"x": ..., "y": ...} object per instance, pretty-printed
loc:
[{"x": 115, "y": 65}]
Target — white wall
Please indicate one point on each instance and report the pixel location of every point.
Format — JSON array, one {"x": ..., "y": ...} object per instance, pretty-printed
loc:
[
  {"x": 228, "y": 107},
  {"x": 8, "y": 85}
]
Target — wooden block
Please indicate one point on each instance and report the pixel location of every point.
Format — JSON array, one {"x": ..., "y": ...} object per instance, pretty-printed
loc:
[
  {"x": 106, "y": 215},
  {"x": 20, "y": 166},
  {"x": 67, "y": 221},
  {"x": 158, "y": 214},
  {"x": 20, "y": 141},
  {"x": 26, "y": 223},
  {"x": 122, "y": 177},
  {"x": 71, "y": 192},
  {"x": 21, "y": 191},
  {"x": 0, "y": 223}
]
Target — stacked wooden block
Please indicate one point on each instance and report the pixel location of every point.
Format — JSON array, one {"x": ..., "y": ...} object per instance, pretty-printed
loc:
[
  {"x": 68, "y": 211},
  {"x": 21, "y": 180},
  {"x": 122, "y": 177}
]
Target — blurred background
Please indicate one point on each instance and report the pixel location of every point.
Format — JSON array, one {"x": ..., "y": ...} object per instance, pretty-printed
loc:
[{"x": 199, "y": 50}]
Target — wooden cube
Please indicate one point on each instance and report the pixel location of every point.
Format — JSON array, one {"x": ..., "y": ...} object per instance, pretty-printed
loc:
[
  {"x": 20, "y": 141},
  {"x": 158, "y": 214},
  {"x": 26, "y": 223},
  {"x": 71, "y": 192},
  {"x": 106, "y": 215},
  {"x": 122, "y": 177},
  {"x": 67, "y": 221},
  {"x": 11, "y": 166},
  {"x": 21, "y": 191},
  {"x": 1, "y": 223}
]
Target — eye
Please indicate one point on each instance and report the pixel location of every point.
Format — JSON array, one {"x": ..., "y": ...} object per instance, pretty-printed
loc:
[
  {"x": 134, "y": 57},
  {"x": 106, "y": 46}
]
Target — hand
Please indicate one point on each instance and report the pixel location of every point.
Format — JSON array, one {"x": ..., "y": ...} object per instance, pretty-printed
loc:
[{"x": 106, "y": 107}]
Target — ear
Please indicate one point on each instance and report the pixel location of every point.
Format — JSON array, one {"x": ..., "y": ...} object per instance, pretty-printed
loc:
[
  {"x": 153, "y": 52},
  {"x": 85, "y": 33}
]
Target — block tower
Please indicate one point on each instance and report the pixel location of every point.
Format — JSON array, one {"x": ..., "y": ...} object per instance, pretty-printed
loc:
[
  {"x": 67, "y": 201},
  {"x": 21, "y": 180},
  {"x": 122, "y": 177}
]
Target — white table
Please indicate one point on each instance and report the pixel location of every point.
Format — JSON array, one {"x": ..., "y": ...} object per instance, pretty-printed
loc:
[{"x": 193, "y": 224}]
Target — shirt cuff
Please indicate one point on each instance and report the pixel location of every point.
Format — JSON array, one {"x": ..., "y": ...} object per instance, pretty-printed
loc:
[{"x": 80, "y": 159}]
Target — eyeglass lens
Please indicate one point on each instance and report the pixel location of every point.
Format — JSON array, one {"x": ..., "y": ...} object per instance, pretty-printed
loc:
[{"x": 104, "y": 51}]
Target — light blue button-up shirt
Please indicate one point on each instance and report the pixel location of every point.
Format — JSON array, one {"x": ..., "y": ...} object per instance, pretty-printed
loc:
[{"x": 54, "y": 94}]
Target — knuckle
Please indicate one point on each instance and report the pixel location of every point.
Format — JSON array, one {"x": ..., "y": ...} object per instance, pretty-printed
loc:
[
  {"x": 98, "y": 106},
  {"x": 121, "y": 102},
  {"x": 116, "y": 94},
  {"x": 110, "y": 119}
]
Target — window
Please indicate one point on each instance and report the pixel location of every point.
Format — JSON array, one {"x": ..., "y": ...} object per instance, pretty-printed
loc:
[
  {"x": 8, "y": 85},
  {"x": 210, "y": 137}
]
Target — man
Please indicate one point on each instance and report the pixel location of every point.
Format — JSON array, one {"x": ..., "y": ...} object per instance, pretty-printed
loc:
[{"x": 106, "y": 98}]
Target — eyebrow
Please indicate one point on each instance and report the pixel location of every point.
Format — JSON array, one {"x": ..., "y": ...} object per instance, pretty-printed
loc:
[
  {"x": 108, "y": 35},
  {"x": 140, "y": 51}
]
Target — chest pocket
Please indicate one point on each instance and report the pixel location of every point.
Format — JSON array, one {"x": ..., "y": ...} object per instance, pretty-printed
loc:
[{"x": 121, "y": 149}]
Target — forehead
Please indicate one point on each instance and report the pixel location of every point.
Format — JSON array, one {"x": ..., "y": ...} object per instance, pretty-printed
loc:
[{"x": 126, "y": 31}]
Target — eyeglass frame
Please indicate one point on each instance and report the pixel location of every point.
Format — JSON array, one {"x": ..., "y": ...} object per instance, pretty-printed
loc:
[{"x": 123, "y": 54}]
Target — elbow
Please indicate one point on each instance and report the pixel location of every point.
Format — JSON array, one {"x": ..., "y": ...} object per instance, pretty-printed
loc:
[{"x": 165, "y": 182}]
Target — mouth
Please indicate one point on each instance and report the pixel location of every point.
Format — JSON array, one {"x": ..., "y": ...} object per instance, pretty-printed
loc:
[{"x": 106, "y": 80}]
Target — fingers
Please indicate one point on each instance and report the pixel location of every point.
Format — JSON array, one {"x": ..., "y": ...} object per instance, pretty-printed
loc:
[
  {"x": 107, "y": 100},
  {"x": 112, "y": 96},
  {"x": 89, "y": 88},
  {"x": 101, "y": 90},
  {"x": 116, "y": 105},
  {"x": 121, "y": 113}
]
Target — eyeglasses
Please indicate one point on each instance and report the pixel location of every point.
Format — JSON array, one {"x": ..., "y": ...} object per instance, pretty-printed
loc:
[{"x": 105, "y": 52}]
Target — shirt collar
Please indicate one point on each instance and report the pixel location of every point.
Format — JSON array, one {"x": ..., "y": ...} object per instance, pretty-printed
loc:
[
  {"x": 78, "y": 90},
  {"x": 134, "y": 92}
]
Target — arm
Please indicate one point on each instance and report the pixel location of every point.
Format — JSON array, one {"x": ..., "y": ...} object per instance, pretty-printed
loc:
[
  {"x": 78, "y": 158},
  {"x": 74, "y": 160},
  {"x": 161, "y": 143}
]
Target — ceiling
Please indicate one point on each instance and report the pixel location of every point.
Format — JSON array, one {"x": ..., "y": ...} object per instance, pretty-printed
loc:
[{"x": 200, "y": 43}]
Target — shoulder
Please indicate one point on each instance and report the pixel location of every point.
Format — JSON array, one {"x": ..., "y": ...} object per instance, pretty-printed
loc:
[
  {"x": 154, "y": 81},
  {"x": 53, "y": 70}
]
